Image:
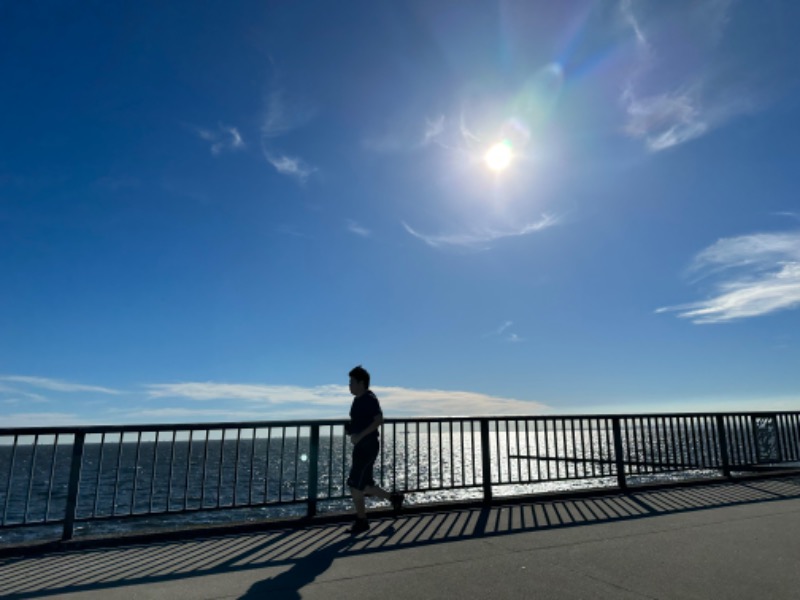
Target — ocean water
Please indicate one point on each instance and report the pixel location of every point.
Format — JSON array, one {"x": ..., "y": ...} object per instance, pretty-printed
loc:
[{"x": 134, "y": 482}]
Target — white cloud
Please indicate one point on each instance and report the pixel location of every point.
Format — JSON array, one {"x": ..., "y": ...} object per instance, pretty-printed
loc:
[
  {"x": 504, "y": 332},
  {"x": 467, "y": 135},
  {"x": 56, "y": 385},
  {"x": 481, "y": 238},
  {"x": 757, "y": 275},
  {"x": 270, "y": 394},
  {"x": 678, "y": 108},
  {"x": 787, "y": 213},
  {"x": 357, "y": 229},
  {"x": 333, "y": 401},
  {"x": 291, "y": 166},
  {"x": 284, "y": 114},
  {"x": 503, "y": 327},
  {"x": 664, "y": 120},
  {"x": 433, "y": 129},
  {"x": 42, "y": 419},
  {"x": 223, "y": 139}
]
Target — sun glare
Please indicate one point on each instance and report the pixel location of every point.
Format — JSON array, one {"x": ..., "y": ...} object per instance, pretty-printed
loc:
[{"x": 499, "y": 156}]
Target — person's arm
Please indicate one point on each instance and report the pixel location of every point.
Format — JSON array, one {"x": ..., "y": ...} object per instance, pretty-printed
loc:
[{"x": 376, "y": 422}]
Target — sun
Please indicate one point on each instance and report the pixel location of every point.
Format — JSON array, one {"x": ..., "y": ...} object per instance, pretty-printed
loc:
[{"x": 499, "y": 156}]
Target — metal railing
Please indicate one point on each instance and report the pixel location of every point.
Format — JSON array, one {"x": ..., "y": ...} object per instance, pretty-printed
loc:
[{"x": 68, "y": 475}]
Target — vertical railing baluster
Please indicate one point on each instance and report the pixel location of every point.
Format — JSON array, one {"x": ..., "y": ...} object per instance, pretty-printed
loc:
[
  {"x": 205, "y": 464},
  {"x": 419, "y": 432},
  {"x": 99, "y": 472},
  {"x": 620, "y": 463},
  {"x": 486, "y": 461},
  {"x": 117, "y": 473},
  {"x": 296, "y": 462},
  {"x": 463, "y": 478},
  {"x": 473, "y": 449},
  {"x": 691, "y": 443},
  {"x": 452, "y": 455},
  {"x": 236, "y": 466},
  {"x": 722, "y": 436},
  {"x": 280, "y": 473},
  {"x": 31, "y": 476},
  {"x": 189, "y": 468},
  {"x": 52, "y": 477},
  {"x": 171, "y": 469},
  {"x": 439, "y": 438},
  {"x": 313, "y": 469},
  {"x": 561, "y": 453},
  {"x": 252, "y": 467},
  {"x": 499, "y": 454},
  {"x": 430, "y": 456},
  {"x": 220, "y": 465},
  {"x": 9, "y": 477},
  {"x": 406, "y": 434},
  {"x": 266, "y": 465},
  {"x": 546, "y": 444},
  {"x": 153, "y": 469},
  {"x": 135, "y": 473},
  {"x": 74, "y": 486},
  {"x": 574, "y": 449},
  {"x": 330, "y": 461},
  {"x": 651, "y": 445},
  {"x": 528, "y": 476}
]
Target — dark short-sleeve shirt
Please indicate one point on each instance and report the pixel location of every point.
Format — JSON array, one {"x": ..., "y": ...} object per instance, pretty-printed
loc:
[{"x": 363, "y": 412}]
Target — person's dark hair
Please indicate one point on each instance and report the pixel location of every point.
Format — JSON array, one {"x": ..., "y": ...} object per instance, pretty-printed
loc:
[{"x": 360, "y": 374}]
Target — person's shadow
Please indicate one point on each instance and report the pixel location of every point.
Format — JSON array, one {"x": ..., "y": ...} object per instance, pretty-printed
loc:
[{"x": 287, "y": 585}]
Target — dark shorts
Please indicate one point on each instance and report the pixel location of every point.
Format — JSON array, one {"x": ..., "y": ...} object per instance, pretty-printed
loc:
[{"x": 364, "y": 455}]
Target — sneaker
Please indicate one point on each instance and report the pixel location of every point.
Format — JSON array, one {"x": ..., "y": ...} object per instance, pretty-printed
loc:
[
  {"x": 397, "y": 501},
  {"x": 359, "y": 526}
]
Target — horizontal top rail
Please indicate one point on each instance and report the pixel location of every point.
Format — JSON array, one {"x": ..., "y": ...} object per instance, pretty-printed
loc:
[{"x": 156, "y": 427}]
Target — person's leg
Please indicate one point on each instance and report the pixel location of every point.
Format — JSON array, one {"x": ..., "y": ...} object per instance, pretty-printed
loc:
[
  {"x": 359, "y": 502},
  {"x": 374, "y": 490},
  {"x": 396, "y": 498},
  {"x": 361, "y": 482}
]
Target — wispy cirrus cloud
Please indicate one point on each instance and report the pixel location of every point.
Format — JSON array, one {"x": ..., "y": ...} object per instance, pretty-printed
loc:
[
  {"x": 204, "y": 401},
  {"x": 222, "y": 139},
  {"x": 56, "y": 385},
  {"x": 754, "y": 275},
  {"x": 669, "y": 102},
  {"x": 355, "y": 228},
  {"x": 282, "y": 115},
  {"x": 433, "y": 129},
  {"x": 409, "y": 135},
  {"x": 332, "y": 401},
  {"x": 504, "y": 332},
  {"x": 291, "y": 166},
  {"x": 43, "y": 419},
  {"x": 481, "y": 238},
  {"x": 265, "y": 394}
]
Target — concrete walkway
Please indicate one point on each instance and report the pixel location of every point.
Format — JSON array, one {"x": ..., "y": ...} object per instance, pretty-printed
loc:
[{"x": 727, "y": 540}]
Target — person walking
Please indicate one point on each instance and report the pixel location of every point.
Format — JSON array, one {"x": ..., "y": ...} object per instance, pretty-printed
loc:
[{"x": 366, "y": 419}]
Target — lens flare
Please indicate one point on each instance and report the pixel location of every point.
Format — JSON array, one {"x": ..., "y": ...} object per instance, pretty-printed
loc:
[{"x": 499, "y": 156}]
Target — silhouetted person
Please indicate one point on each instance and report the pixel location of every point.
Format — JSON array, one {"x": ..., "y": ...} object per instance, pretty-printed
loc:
[{"x": 366, "y": 418}]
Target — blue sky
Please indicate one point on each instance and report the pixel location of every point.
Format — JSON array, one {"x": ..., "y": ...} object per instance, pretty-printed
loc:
[{"x": 212, "y": 211}]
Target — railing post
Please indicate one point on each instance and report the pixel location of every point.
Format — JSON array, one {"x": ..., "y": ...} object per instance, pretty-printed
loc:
[
  {"x": 618, "y": 457},
  {"x": 313, "y": 470},
  {"x": 722, "y": 435},
  {"x": 74, "y": 485},
  {"x": 778, "y": 438},
  {"x": 486, "y": 461}
]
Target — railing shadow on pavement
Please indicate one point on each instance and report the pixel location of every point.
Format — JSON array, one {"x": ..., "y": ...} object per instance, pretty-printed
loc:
[{"x": 293, "y": 558}]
